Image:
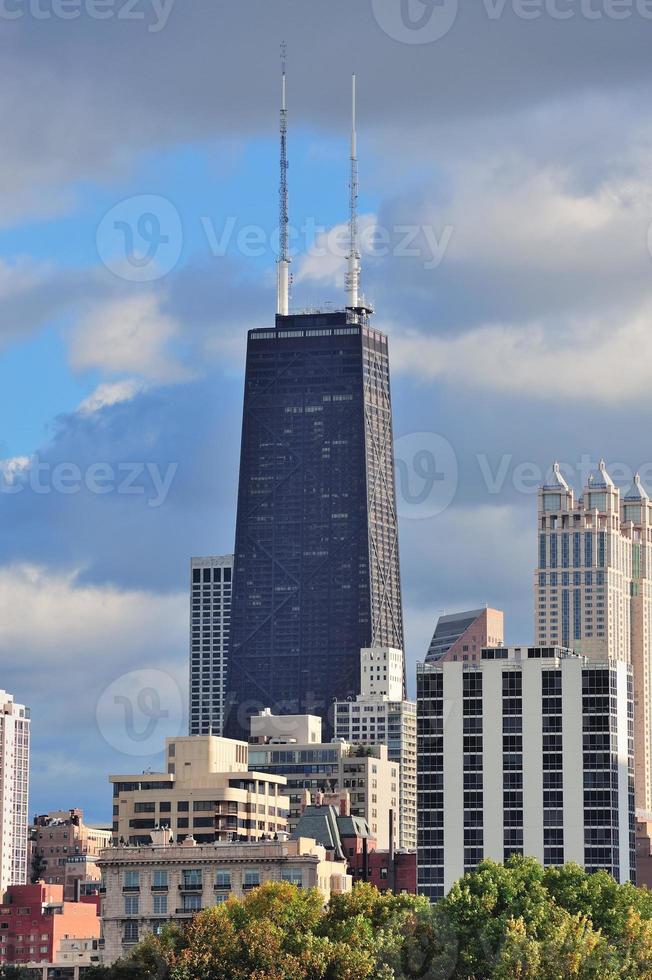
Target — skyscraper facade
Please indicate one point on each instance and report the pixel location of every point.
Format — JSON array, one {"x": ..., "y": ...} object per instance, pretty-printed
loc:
[
  {"x": 382, "y": 715},
  {"x": 316, "y": 568},
  {"x": 14, "y": 791},
  {"x": 529, "y": 751},
  {"x": 210, "y": 623},
  {"x": 593, "y": 588}
]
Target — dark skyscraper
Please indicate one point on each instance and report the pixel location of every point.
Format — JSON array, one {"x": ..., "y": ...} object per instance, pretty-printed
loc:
[
  {"x": 316, "y": 573},
  {"x": 316, "y": 567}
]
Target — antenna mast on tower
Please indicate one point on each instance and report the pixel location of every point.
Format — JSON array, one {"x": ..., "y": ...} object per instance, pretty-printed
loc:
[
  {"x": 283, "y": 266},
  {"x": 353, "y": 272}
]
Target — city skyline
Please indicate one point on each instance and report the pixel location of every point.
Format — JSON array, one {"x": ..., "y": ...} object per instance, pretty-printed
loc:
[{"x": 99, "y": 369}]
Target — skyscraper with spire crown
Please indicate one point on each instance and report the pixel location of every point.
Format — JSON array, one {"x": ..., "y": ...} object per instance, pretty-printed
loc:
[
  {"x": 593, "y": 587},
  {"x": 316, "y": 566}
]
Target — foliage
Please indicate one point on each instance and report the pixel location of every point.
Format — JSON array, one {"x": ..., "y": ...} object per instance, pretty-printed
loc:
[
  {"x": 516, "y": 921},
  {"x": 15, "y": 973}
]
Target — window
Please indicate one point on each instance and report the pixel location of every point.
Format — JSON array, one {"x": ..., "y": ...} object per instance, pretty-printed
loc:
[
  {"x": 293, "y": 875},
  {"x": 160, "y": 904},
  {"x": 131, "y": 879},
  {"x": 192, "y": 877},
  {"x": 160, "y": 879},
  {"x": 130, "y": 934},
  {"x": 131, "y": 904},
  {"x": 191, "y": 903},
  {"x": 223, "y": 879},
  {"x": 251, "y": 879}
]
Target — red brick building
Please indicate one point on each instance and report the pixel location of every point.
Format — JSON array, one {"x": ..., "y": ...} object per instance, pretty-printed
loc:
[{"x": 34, "y": 919}]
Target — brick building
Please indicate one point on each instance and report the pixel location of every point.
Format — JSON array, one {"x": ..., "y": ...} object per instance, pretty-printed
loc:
[
  {"x": 63, "y": 848},
  {"x": 35, "y": 921}
]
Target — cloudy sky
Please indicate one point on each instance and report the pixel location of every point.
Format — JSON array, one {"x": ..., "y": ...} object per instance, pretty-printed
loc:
[{"x": 506, "y": 165}]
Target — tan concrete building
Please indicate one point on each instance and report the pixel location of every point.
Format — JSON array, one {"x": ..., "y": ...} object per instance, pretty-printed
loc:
[
  {"x": 149, "y": 886},
  {"x": 593, "y": 588},
  {"x": 372, "y": 780},
  {"x": 62, "y": 848},
  {"x": 207, "y": 791}
]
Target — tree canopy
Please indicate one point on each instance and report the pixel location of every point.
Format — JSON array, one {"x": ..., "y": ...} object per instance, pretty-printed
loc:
[{"x": 517, "y": 920}]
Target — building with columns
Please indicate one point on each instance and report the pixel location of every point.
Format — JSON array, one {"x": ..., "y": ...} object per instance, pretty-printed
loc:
[
  {"x": 149, "y": 886},
  {"x": 593, "y": 587}
]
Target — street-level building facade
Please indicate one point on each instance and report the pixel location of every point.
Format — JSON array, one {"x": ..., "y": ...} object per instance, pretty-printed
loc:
[
  {"x": 530, "y": 751},
  {"x": 147, "y": 887}
]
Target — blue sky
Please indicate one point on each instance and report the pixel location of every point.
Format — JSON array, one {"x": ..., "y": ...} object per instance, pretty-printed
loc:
[{"x": 505, "y": 168}]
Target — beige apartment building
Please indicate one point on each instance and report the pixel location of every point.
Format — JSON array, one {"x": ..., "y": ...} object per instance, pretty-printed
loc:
[
  {"x": 63, "y": 848},
  {"x": 291, "y": 746},
  {"x": 380, "y": 715},
  {"x": 149, "y": 886},
  {"x": 593, "y": 588},
  {"x": 207, "y": 792}
]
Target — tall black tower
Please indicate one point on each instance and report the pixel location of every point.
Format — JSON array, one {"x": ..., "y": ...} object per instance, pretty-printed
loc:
[{"x": 316, "y": 567}]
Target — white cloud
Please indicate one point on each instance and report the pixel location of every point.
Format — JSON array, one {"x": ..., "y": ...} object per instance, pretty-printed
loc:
[
  {"x": 601, "y": 359},
  {"x": 54, "y": 619},
  {"x": 324, "y": 261},
  {"x": 110, "y": 393},
  {"x": 128, "y": 334},
  {"x": 12, "y": 468}
]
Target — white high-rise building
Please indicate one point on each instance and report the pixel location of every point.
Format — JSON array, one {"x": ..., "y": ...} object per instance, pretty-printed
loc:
[
  {"x": 14, "y": 792},
  {"x": 380, "y": 715},
  {"x": 528, "y": 751},
  {"x": 210, "y": 625},
  {"x": 593, "y": 588}
]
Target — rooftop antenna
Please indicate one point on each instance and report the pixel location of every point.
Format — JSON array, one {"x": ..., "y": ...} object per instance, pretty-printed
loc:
[
  {"x": 353, "y": 272},
  {"x": 283, "y": 265}
]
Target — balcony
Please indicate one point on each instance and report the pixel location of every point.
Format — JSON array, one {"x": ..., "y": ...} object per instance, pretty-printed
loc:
[
  {"x": 190, "y": 888},
  {"x": 160, "y": 888},
  {"x": 187, "y": 911},
  {"x": 130, "y": 889}
]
